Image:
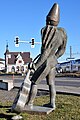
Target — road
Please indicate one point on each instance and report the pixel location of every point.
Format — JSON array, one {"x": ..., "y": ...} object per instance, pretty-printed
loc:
[
  {"x": 65, "y": 81},
  {"x": 59, "y": 81},
  {"x": 68, "y": 81},
  {"x": 67, "y": 85}
]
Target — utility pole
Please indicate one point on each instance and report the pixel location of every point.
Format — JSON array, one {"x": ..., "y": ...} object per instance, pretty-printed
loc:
[
  {"x": 70, "y": 51},
  {"x": 70, "y": 58},
  {"x": 71, "y": 54}
]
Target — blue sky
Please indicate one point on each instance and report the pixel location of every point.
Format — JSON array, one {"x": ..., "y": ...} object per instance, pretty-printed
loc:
[{"x": 25, "y": 18}]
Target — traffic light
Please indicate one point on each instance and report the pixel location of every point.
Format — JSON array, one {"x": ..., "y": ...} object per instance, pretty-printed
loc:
[
  {"x": 32, "y": 41},
  {"x": 17, "y": 41}
]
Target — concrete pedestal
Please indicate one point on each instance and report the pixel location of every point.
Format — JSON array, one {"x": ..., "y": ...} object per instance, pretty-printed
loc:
[
  {"x": 38, "y": 109},
  {"x": 6, "y": 84}
]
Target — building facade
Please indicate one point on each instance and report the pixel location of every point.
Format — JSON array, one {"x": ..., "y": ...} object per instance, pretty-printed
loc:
[
  {"x": 2, "y": 64},
  {"x": 16, "y": 62},
  {"x": 70, "y": 66}
]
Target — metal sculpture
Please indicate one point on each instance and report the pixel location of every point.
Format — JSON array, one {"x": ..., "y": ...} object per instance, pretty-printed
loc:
[{"x": 53, "y": 46}]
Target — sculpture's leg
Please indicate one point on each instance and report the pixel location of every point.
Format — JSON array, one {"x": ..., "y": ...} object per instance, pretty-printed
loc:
[
  {"x": 52, "y": 87},
  {"x": 41, "y": 73},
  {"x": 51, "y": 82}
]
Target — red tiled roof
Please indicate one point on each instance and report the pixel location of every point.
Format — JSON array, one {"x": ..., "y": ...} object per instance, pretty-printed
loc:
[{"x": 25, "y": 56}]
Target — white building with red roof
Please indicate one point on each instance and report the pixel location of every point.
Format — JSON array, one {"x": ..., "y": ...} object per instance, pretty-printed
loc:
[
  {"x": 16, "y": 61},
  {"x": 2, "y": 64}
]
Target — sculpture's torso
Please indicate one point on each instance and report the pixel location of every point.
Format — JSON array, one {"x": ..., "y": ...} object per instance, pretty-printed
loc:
[{"x": 52, "y": 39}]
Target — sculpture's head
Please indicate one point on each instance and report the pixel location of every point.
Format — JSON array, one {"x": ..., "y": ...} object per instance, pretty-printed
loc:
[{"x": 53, "y": 16}]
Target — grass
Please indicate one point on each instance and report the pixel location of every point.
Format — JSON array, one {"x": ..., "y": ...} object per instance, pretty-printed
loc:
[{"x": 67, "y": 108}]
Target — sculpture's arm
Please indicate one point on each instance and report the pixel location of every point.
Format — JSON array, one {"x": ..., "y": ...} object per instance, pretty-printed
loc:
[
  {"x": 47, "y": 34},
  {"x": 37, "y": 57},
  {"x": 60, "y": 50},
  {"x": 62, "y": 47},
  {"x": 31, "y": 66}
]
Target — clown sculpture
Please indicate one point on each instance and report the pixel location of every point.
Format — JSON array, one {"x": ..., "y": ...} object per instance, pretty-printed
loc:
[{"x": 53, "y": 46}]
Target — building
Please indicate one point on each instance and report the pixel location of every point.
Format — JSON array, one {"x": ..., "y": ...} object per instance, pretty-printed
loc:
[
  {"x": 69, "y": 66},
  {"x": 16, "y": 61},
  {"x": 2, "y": 64}
]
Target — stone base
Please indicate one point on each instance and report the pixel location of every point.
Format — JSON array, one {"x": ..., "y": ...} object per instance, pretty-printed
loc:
[
  {"x": 17, "y": 117},
  {"x": 38, "y": 110},
  {"x": 6, "y": 84}
]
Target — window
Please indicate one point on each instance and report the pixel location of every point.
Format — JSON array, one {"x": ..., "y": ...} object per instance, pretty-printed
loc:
[
  {"x": 13, "y": 69},
  {"x": 17, "y": 68},
  {"x": 22, "y": 68},
  {"x": 20, "y": 61}
]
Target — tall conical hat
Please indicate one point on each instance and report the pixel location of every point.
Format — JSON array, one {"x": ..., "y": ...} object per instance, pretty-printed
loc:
[{"x": 53, "y": 16}]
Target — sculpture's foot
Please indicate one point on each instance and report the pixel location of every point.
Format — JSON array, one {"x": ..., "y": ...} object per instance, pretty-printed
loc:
[
  {"x": 49, "y": 105},
  {"x": 29, "y": 106}
]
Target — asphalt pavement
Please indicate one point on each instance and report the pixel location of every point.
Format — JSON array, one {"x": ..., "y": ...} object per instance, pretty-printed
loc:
[{"x": 68, "y": 85}]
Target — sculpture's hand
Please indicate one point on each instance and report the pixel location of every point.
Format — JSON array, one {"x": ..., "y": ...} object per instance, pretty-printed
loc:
[{"x": 31, "y": 66}]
